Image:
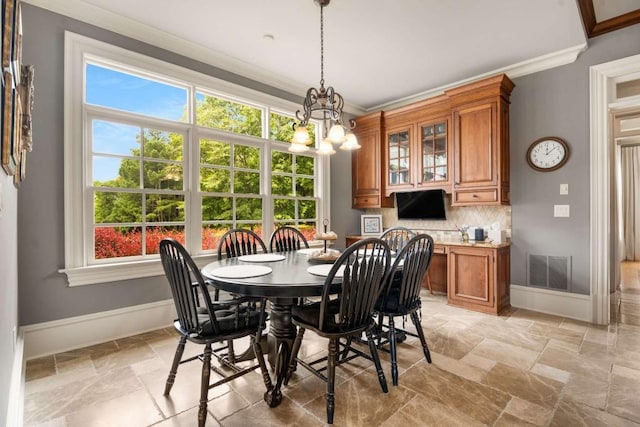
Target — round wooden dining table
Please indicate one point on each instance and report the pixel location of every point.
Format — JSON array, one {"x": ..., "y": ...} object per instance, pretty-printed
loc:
[{"x": 288, "y": 281}]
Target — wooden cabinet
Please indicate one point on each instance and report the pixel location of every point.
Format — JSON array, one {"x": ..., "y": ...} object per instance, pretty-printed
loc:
[
  {"x": 434, "y": 158},
  {"x": 417, "y": 146},
  {"x": 458, "y": 141},
  {"x": 350, "y": 240},
  {"x": 478, "y": 278},
  {"x": 366, "y": 179},
  {"x": 480, "y": 114},
  {"x": 473, "y": 277},
  {"x": 399, "y": 147}
]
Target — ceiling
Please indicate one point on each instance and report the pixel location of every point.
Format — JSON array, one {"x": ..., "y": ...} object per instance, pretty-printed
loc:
[{"x": 377, "y": 52}]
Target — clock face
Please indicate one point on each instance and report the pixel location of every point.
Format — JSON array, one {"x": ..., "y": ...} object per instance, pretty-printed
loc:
[{"x": 547, "y": 154}]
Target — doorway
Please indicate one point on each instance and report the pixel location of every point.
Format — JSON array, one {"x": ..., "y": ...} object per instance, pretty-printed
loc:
[
  {"x": 626, "y": 137},
  {"x": 604, "y": 276}
]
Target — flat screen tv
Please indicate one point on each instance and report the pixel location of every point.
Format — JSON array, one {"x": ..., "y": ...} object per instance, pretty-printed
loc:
[{"x": 428, "y": 204}]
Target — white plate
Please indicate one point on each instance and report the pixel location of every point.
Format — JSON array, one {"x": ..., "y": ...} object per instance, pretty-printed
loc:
[
  {"x": 323, "y": 270},
  {"x": 261, "y": 258},
  {"x": 239, "y": 271}
]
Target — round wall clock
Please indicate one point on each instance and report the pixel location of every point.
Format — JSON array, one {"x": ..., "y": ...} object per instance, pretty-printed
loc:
[{"x": 547, "y": 154}]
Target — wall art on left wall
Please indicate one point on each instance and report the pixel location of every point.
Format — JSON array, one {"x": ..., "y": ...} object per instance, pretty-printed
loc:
[{"x": 16, "y": 96}]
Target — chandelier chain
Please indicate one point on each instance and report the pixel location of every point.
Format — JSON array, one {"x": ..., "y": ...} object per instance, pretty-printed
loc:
[
  {"x": 324, "y": 105},
  {"x": 321, "y": 46}
]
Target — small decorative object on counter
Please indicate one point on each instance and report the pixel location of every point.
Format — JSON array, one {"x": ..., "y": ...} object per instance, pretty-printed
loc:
[{"x": 464, "y": 235}]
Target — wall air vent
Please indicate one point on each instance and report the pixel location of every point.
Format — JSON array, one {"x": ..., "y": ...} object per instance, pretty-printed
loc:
[{"x": 551, "y": 272}]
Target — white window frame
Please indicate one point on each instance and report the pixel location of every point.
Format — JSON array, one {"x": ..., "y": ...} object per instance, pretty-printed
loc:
[{"x": 78, "y": 268}]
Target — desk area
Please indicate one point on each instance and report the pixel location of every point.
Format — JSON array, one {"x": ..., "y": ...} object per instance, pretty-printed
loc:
[{"x": 475, "y": 276}]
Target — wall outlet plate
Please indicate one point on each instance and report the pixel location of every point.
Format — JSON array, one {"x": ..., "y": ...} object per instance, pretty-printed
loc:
[{"x": 561, "y": 211}]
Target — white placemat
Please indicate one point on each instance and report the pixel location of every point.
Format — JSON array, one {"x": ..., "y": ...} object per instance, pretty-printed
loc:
[
  {"x": 307, "y": 251},
  {"x": 369, "y": 252},
  {"x": 240, "y": 271},
  {"x": 261, "y": 258},
  {"x": 400, "y": 264},
  {"x": 323, "y": 270}
]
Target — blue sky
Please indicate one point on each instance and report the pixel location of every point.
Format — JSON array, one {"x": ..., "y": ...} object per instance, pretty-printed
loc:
[{"x": 110, "y": 88}]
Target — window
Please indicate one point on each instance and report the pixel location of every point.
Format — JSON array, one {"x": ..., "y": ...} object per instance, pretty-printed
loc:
[{"x": 168, "y": 152}]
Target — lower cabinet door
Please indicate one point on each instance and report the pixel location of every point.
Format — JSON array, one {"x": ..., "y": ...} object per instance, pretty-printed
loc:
[{"x": 471, "y": 278}]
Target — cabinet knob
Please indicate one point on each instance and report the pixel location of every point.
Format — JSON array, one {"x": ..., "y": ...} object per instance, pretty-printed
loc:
[{"x": 475, "y": 196}]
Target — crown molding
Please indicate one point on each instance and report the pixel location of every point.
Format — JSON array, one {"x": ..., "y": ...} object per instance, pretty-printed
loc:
[
  {"x": 82, "y": 11},
  {"x": 529, "y": 66}
]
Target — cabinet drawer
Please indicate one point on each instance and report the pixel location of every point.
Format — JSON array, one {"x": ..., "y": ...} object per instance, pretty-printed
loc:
[
  {"x": 477, "y": 196},
  {"x": 371, "y": 201},
  {"x": 439, "y": 249}
]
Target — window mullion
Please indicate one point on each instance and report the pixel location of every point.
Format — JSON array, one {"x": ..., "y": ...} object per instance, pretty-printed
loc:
[{"x": 158, "y": 160}]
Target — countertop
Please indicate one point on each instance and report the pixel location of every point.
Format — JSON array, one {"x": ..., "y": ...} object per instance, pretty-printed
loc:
[{"x": 454, "y": 242}]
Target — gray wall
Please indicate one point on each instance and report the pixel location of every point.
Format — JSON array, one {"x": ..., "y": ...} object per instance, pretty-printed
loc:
[
  {"x": 44, "y": 294},
  {"x": 344, "y": 219},
  {"x": 556, "y": 103},
  {"x": 8, "y": 285}
]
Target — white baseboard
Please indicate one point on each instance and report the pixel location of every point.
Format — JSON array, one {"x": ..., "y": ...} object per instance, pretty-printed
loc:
[
  {"x": 47, "y": 338},
  {"x": 15, "y": 408},
  {"x": 565, "y": 304}
]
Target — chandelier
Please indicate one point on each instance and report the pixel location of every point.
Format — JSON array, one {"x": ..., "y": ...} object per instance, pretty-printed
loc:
[{"x": 324, "y": 104}]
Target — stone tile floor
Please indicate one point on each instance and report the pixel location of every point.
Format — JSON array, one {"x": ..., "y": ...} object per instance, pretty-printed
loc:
[{"x": 519, "y": 369}]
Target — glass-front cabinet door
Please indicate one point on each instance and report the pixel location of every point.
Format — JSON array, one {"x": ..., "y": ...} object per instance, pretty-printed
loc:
[
  {"x": 399, "y": 159},
  {"x": 434, "y": 158}
]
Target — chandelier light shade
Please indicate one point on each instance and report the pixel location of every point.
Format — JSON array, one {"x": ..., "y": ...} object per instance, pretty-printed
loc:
[{"x": 325, "y": 105}]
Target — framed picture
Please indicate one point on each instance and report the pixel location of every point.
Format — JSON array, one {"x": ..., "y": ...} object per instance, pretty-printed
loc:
[
  {"x": 370, "y": 225},
  {"x": 7, "y": 152},
  {"x": 16, "y": 48},
  {"x": 7, "y": 33}
]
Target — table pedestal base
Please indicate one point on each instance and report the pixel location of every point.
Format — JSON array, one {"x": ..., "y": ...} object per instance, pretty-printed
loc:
[{"x": 282, "y": 334}]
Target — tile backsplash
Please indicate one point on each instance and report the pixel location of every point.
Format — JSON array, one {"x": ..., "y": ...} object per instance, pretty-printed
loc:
[{"x": 473, "y": 216}]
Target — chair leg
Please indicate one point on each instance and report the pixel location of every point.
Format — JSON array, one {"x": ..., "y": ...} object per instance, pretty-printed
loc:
[
  {"x": 392, "y": 347},
  {"x": 294, "y": 355},
  {"x": 231, "y": 354},
  {"x": 380, "y": 321},
  {"x": 263, "y": 366},
  {"x": 174, "y": 367},
  {"x": 347, "y": 347},
  {"x": 425, "y": 348},
  {"x": 204, "y": 386},
  {"x": 376, "y": 361},
  {"x": 331, "y": 378},
  {"x": 257, "y": 349},
  {"x": 429, "y": 283}
]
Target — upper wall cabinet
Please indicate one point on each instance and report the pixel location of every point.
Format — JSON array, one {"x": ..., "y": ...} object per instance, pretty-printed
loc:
[
  {"x": 480, "y": 114},
  {"x": 367, "y": 184},
  {"x": 417, "y": 147},
  {"x": 458, "y": 141}
]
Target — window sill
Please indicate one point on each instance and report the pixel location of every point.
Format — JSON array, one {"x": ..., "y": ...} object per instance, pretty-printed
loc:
[{"x": 116, "y": 272}]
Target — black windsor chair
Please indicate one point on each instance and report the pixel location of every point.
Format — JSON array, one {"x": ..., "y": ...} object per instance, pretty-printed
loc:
[
  {"x": 403, "y": 298},
  {"x": 345, "y": 310},
  {"x": 397, "y": 237},
  {"x": 286, "y": 239},
  {"x": 209, "y": 323}
]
